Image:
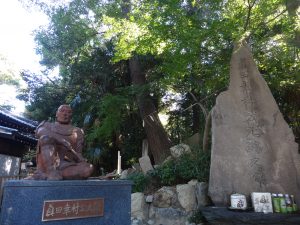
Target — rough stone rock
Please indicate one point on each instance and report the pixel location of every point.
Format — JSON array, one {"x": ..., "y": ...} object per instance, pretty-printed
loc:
[
  {"x": 253, "y": 148},
  {"x": 170, "y": 216},
  {"x": 202, "y": 194},
  {"x": 194, "y": 140},
  {"x": 178, "y": 150},
  {"x": 186, "y": 196},
  {"x": 166, "y": 160},
  {"x": 149, "y": 198},
  {"x": 139, "y": 208},
  {"x": 193, "y": 182},
  {"x": 151, "y": 211},
  {"x": 155, "y": 166},
  {"x": 145, "y": 164},
  {"x": 165, "y": 197},
  {"x": 136, "y": 222},
  {"x": 150, "y": 222},
  {"x": 201, "y": 191},
  {"x": 131, "y": 171},
  {"x": 124, "y": 174},
  {"x": 137, "y": 167}
]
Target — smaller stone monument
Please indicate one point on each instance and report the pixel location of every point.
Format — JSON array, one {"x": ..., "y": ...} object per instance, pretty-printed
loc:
[{"x": 59, "y": 150}]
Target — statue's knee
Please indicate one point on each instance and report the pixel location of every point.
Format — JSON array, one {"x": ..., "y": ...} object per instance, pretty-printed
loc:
[
  {"x": 91, "y": 169},
  {"x": 88, "y": 170}
]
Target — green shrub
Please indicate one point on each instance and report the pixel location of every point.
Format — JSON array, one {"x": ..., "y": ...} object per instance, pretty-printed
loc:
[
  {"x": 165, "y": 173},
  {"x": 186, "y": 167},
  {"x": 194, "y": 165},
  {"x": 190, "y": 166},
  {"x": 140, "y": 181}
]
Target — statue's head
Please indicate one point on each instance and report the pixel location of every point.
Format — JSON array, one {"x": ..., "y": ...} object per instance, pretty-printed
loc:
[{"x": 64, "y": 114}]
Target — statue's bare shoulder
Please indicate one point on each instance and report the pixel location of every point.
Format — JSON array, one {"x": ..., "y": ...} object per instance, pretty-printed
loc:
[{"x": 44, "y": 128}]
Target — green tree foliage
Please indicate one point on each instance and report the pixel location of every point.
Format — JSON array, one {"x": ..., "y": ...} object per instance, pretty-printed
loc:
[
  {"x": 194, "y": 40},
  {"x": 9, "y": 76},
  {"x": 184, "y": 48},
  {"x": 88, "y": 81},
  {"x": 43, "y": 95}
]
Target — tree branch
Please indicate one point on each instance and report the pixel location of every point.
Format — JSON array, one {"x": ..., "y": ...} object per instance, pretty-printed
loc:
[
  {"x": 275, "y": 17},
  {"x": 266, "y": 23},
  {"x": 250, "y": 6},
  {"x": 198, "y": 103}
]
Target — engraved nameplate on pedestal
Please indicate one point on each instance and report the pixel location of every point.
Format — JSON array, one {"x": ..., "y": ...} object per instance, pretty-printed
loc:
[{"x": 72, "y": 209}]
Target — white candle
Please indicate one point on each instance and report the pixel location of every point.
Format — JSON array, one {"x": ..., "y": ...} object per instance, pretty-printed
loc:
[{"x": 119, "y": 164}]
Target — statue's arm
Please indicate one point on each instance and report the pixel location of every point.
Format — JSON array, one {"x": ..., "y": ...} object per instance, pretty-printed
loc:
[
  {"x": 80, "y": 143},
  {"x": 80, "y": 140},
  {"x": 44, "y": 129},
  {"x": 76, "y": 150}
]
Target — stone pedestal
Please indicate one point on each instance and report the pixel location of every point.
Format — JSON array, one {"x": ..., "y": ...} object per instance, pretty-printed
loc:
[
  {"x": 223, "y": 216},
  {"x": 23, "y": 202}
]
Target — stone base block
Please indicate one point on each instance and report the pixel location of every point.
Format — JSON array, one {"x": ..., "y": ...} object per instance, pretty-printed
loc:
[
  {"x": 27, "y": 202},
  {"x": 223, "y": 216}
]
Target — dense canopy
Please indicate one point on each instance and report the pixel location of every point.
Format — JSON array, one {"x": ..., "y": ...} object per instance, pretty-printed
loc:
[{"x": 122, "y": 63}]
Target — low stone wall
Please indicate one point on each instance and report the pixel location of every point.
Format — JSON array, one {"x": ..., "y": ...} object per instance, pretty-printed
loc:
[{"x": 170, "y": 205}]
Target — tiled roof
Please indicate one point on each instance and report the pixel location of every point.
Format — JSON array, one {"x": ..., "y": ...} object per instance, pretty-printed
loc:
[
  {"x": 16, "y": 122},
  {"x": 17, "y": 128}
]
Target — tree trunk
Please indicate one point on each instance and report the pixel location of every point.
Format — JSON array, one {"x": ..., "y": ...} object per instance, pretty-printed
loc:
[
  {"x": 159, "y": 142},
  {"x": 293, "y": 7}
]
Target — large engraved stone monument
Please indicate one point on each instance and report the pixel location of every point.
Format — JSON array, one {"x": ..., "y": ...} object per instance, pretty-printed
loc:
[{"x": 253, "y": 148}]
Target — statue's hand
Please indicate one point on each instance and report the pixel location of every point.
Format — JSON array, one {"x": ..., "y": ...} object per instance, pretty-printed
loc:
[
  {"x": 67, "y": 145},
  {"x": 70, "y": 148}
]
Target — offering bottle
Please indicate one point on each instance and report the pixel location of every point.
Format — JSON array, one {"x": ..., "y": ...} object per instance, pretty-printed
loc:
[
  {"x": 295, "y": 208},
  {"x": 276, "y": 203},
  {"x": 283, "y": 208},
  {"x": 288, "y": 203}
]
